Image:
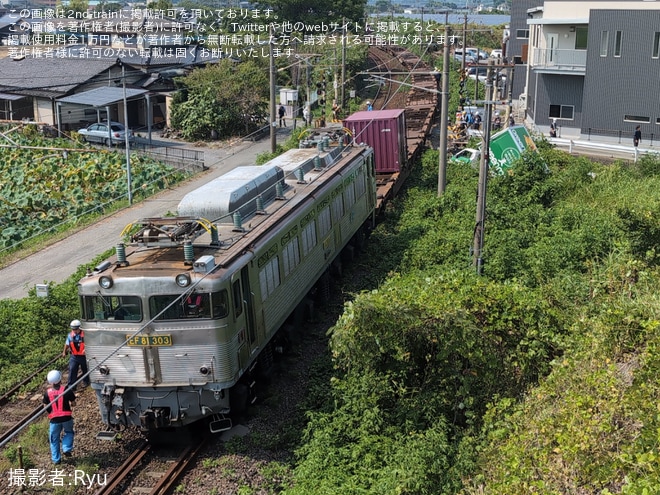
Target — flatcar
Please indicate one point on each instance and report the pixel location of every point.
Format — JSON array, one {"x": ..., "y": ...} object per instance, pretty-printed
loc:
[{"x": 180, "y": 320}]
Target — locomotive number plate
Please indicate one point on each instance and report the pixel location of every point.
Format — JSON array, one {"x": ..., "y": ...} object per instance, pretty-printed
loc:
[{"x": 149, "y": 340}]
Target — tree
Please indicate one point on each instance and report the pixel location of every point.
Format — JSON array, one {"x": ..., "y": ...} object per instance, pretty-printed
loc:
[
  {"x": 160, "y": 5},
  {"x": 226, "y": 98},
  {"x": 316, "y": 12}
]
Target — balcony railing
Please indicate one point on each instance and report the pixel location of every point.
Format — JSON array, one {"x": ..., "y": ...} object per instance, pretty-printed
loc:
[{"x": 560, "y": 59}]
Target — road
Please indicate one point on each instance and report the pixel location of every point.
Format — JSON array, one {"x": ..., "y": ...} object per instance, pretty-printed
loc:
[{"x": 58, "y": 261}]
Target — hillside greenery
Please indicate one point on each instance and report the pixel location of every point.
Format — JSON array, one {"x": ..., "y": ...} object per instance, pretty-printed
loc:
[{"x": 537, "y": 377}]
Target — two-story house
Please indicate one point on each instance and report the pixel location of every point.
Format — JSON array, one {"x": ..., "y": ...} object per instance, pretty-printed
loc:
[{"x": 592, "y": 65}]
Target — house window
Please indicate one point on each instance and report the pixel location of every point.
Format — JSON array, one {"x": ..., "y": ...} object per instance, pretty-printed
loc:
[
  {"x": 636, "y": 118},
  {"x": 522, "y": 34},
  {"x": 562, "y": 112},
  {"x": 581, "y": 38},
  {"x": 604, "y": 39},
  {"x": 617, "y": 43},
  {"x": 656, "y": 45}
]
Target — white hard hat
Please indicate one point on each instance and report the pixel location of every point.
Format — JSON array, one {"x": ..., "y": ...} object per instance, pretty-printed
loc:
[
  {"x": 54, "y": 377},
  {"x": 75, "y": 324},
  {"x": 497, "y": 113}
]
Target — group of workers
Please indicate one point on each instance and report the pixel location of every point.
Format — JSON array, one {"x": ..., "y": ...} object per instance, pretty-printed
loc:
[
  {"x": 59, "y": 400},
  {"x": 473, "y": 120}
]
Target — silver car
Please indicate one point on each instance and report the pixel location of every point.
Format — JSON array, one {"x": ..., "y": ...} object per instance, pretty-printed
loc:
[{"x": 99, "y": 133}]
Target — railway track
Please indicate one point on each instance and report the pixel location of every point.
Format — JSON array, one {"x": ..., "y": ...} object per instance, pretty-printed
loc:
[
  {"x": 147, "y": 463},
  {"x": 17, "y": 414},
  {"x": 420, "y": 102}
]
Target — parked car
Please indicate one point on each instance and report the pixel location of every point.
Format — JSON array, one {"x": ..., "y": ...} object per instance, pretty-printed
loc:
[
  {"x": 496, "y": 54},
  {"x": 477, "y": 54},
  {"x": 99, "y": 133},
  {"x": 458, "y": 55},
  {"x": 480, "y": 71},
  {"x": 477, "y": 71}
]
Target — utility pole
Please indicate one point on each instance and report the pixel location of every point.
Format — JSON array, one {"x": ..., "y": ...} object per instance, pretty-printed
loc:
[
  {"x": 273, "y": 75},
  {"x": 483, "y": 175},
  {"x": 126, "y": 140},
  {"x": 444, "y": 96},
  {"x": 343, "y": 61},
  {"x": 464, "y": 42},
  {"x": 509, "y": 95}
]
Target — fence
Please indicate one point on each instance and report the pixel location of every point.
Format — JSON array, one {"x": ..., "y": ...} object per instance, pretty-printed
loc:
[
  {"x": 615, "y": 149},
  {"x": 179, "y": 157},
  {"x": 618, "y": 134}
]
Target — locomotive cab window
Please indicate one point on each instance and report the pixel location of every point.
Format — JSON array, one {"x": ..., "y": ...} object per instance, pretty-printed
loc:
[
  {"x": 175, "y": 307},
  {"x": 220, "y": 304},
  {"x": 111, "y": 308}
]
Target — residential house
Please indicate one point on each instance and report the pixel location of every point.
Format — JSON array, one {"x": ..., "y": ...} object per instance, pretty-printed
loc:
[
  {"x": 57, "y": 79},
  {"x": 592, "y": 65}
]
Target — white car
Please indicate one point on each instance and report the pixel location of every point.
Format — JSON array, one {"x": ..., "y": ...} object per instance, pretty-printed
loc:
[
  {"x": 496, "y": 54},
  {"x": 477, "y": 54},
  {"x": 99, "y": 133}
]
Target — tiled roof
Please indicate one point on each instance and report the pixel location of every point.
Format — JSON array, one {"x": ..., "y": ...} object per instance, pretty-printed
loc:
[{"x": 49, "y": 77}]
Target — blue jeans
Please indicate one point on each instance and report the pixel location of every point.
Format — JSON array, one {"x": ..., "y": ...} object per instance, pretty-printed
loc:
[
  {"x": 77, "y": 363},
  {"x": 55, "y": 432}
]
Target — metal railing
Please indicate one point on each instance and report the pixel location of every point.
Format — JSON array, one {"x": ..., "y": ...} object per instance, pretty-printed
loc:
[
  {"x": 559, "y": 58},
  {"x": 618, "y": 134},
  {"x": 621, "y": 150},
  {"x": 176, "y": 156}
]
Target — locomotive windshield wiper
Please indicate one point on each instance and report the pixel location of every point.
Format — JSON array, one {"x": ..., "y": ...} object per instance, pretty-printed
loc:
[{"x": 106, "y": 303}]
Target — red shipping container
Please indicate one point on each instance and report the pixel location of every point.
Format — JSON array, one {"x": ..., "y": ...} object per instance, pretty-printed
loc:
[{"x": 385, "y": 132}]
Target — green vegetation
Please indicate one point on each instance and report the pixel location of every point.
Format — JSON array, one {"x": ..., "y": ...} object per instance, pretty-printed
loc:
[
  {"x": 538, "y": 377},
  {"x": 227, "y": 98},
  {"x": 52, "y": 189}
]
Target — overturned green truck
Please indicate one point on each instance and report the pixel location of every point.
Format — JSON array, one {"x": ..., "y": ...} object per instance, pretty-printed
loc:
[{"x": 505, "y": 148}]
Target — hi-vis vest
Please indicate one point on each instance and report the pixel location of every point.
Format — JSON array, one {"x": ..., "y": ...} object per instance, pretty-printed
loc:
[
  {"x": 77, "y": 348},
  {"x": 57, "y": 407}
]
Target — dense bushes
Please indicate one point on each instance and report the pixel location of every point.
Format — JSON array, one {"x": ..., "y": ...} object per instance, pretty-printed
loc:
[{"x": 535, "y": 378}]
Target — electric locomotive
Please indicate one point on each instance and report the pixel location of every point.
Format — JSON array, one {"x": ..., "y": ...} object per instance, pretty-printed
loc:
[{"x": 177, "y": 322}]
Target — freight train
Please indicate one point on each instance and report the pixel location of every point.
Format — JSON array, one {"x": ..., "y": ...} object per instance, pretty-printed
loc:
[
  {"x": 179, "y": 322},
  {"x": 184, "y": 319}
]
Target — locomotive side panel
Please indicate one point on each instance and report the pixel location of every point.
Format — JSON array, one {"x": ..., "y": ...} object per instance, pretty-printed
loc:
[{"x": 290, "y": 266}]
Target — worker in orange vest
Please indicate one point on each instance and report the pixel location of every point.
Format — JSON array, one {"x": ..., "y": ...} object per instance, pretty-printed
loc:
[
  {"x": 59, "y": 403},
  {"x": 75, "y": 345}
]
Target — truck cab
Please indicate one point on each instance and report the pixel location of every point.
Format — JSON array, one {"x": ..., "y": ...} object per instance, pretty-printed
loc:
[{"x": 467, "y": 156}]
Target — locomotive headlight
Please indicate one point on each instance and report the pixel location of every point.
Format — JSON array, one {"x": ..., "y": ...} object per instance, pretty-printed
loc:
[
  {"x": 104, "y": 370},
  {"x": 105, "y": 282},
  {"x": 183, "y": 280},
  {"x": 204, "y": 370}
]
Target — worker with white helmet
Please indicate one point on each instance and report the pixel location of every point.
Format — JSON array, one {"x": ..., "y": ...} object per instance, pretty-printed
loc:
[
  {"x": 75, "y": 345},
  {"x": 59, "y": 404}
]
